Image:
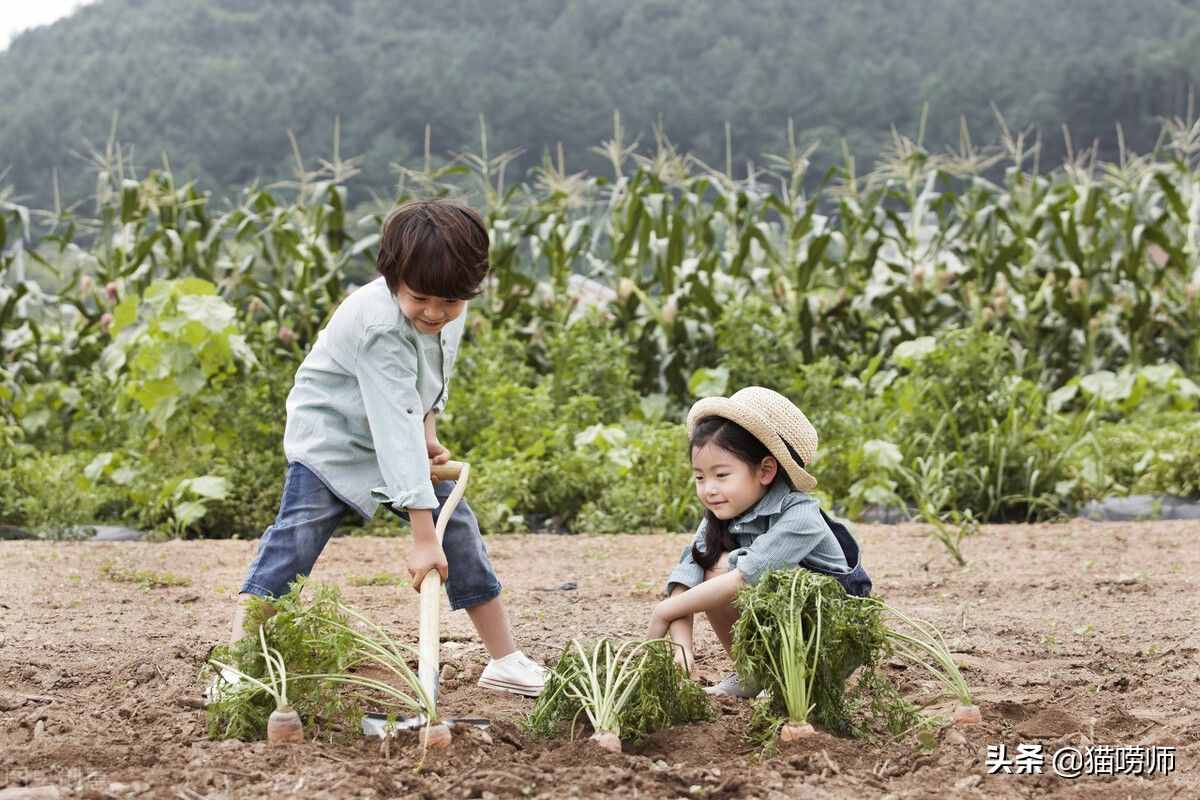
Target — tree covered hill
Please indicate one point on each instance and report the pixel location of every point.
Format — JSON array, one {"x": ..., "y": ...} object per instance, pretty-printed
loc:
[{"x": 216, "y": 84}]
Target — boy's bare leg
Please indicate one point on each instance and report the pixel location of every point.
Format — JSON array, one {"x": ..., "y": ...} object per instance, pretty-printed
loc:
[
  {"x": 239, "y": 618},
  {"x": 491, "y": 622}
]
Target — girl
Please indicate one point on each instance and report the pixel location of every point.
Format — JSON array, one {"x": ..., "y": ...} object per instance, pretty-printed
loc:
[{"x": 749, "y": 454}]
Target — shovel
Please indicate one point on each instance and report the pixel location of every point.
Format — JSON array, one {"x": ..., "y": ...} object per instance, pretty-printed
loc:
[{"x": 428, "y": 667}]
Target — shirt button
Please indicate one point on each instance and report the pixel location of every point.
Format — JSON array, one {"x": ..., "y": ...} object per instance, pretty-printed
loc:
[{"x": 410, "y": 410}]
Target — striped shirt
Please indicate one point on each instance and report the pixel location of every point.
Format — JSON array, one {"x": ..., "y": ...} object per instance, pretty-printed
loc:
[{"x": 783, "y": 529}]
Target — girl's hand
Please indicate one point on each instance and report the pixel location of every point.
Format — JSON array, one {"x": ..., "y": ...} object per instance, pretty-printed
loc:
[
  {"x": 658, "y": 623},
  {"x": 686, "y": 661}
]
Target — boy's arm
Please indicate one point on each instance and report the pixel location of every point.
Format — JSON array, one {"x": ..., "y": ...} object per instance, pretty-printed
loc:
[
  {"x": 438, "y": 454},
  {"x": 425, "y": 553},
  {"x": 386, "y": 370}
]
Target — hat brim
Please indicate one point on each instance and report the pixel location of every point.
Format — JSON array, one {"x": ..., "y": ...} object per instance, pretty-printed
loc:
[{"x": 759, "y": 428}]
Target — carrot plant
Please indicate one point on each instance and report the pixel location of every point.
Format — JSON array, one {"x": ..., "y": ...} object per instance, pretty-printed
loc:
[
  {"x": 626, "y": 690},
  {"x": 374, "y": 647},
  {"x": 793, "y": 668},
  {"x": 921, "y": 643},
  {"x": 284, "y": 725},
  {"x": 311, "y": 638},
  {"x": 801, "y": 638}
]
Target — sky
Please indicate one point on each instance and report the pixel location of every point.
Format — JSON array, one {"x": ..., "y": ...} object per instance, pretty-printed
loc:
[{"x": 18, "y": 15}]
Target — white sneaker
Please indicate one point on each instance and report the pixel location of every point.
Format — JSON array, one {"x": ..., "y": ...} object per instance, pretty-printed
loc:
[
  {"x": 225, "y": 680},
  {"x": 516, "y": 673},
  {"x": 731, "y": 686}
]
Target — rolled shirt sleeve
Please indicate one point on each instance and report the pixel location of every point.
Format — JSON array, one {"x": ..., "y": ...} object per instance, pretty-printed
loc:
[
  {"x": 687, "y": 572},
  {"x": 797, "y": 531},
  {"x": 386, "y": 368}
]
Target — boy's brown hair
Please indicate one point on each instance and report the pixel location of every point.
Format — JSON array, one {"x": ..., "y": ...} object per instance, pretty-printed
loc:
[{"x": 434, "y": 247}]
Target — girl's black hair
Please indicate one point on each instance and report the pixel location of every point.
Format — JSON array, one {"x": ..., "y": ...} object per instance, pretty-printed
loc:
[{"x": 732, "y": 437}]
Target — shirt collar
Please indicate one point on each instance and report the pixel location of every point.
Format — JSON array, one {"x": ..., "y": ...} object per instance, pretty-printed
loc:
[{"x": 771, "y": 502}]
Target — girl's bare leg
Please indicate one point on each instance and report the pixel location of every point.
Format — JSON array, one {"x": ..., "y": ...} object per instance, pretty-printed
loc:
[
  {"x": 722, "y": 617},
  {"x": 681, "y": 632}
]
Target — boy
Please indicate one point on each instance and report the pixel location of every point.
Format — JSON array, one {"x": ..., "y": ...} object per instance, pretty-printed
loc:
[{"x": 362, "y": 427}]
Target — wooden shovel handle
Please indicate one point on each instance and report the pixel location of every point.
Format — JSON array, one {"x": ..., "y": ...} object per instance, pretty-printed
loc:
[
  {"x": 448, "y": 471},
  {"x": 431, "y": 584}
]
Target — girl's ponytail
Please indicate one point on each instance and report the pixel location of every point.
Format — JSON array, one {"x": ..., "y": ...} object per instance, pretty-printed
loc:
[{"x": 717, "y": 540}]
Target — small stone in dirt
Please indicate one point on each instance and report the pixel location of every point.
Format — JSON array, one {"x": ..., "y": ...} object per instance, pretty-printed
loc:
[
  {"x": 50, "y": 679},
  {"x": 448, "y": 671},
  {"x": 955, "y": 737},
  {"x": 132, "y": 684},
  {"x": 39, "y": 730},
  {"x": 660, "y": 766},
  {"x": 189, "y": 700},
  {"x": 145, "y": 672},
  {"x": 9, "y": 702},
  {"x": 479, "y": 734}
]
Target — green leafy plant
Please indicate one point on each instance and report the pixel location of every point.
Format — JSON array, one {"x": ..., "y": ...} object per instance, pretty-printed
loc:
[
  {"x": 312, "y": 638},
  {"x": 145, "y": 578},
  {"x": 807, "y": 619},
  {"x": 793, "y": 669},
  {"x": 626, "y": 690},
  {"x": 284, "y": 724},
  {"x": 922, "y": 644}
]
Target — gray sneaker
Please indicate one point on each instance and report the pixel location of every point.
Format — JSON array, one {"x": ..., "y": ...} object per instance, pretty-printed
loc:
[{"x": 731, "y": 686}]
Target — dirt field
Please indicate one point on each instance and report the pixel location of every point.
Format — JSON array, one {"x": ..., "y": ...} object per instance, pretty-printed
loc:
[{"x": 1069, "y": 634}]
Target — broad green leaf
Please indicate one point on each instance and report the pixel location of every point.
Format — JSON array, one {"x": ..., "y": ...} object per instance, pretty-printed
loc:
[
  {"x": 882, "y": 454},
  {"x": 188, "y": 513},
  {"x": 1059, "y": 398},
  {"x": 213, "y": 312},
  {"x": 97, "y": 466},
  {"x": 908, "y": 353},
  {"x": 706, "y": 382},
  {"x": 214, "y": 487},
  {"x": 125, "y": 314}
]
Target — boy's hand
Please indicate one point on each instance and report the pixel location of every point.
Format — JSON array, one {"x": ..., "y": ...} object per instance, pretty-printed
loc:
[
  {"x": 424, "y": 557},
  {"x": 437, "y": 453}
]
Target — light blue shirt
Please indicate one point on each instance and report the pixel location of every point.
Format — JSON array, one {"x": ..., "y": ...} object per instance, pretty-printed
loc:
[
  {"x": 355, "y": 415},
  {"x": 783, "y": 529}
]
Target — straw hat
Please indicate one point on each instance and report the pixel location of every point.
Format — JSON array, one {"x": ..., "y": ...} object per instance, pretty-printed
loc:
[{"x": 773, "y": 420}]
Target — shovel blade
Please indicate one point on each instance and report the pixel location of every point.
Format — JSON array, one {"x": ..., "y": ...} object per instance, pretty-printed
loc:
[{"x": 377, "y": 724}]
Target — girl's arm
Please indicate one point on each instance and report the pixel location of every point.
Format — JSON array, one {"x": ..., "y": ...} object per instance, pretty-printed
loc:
[{"x": 718, "y": 591}]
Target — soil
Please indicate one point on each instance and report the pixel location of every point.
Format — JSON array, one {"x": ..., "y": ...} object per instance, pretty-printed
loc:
[{"x": 1070, "y": 634}]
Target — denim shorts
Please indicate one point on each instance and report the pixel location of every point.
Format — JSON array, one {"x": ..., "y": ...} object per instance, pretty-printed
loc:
[{"x": 309, "y": 513}]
